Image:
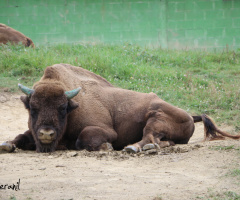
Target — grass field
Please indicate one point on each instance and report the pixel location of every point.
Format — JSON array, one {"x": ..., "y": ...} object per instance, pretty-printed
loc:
[{"x": 199, "y": 82}]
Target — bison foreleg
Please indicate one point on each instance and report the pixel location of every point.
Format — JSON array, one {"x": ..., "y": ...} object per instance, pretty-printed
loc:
[
  {"x": 22, "y": 141},
  {"x": 7, "y": 146},
  {"x": 95, "y": 138}
]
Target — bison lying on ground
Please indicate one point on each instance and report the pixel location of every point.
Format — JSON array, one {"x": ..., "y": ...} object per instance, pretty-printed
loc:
[
  {"x": 61, "y": 117},
  {"x": 8, "y": 34}
]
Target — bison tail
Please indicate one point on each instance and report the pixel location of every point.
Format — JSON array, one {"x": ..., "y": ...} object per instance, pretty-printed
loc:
[{"x": 211, "y": 131}]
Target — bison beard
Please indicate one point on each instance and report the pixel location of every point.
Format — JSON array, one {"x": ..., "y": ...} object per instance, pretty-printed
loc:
[
  {"x": 45, "y": 148},
  {"x": 105, "y": 115}
]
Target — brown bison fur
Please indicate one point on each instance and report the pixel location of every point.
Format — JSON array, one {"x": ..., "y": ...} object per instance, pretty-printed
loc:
[
  {"x": 100, "y": 114},
  {"x": 8, "y": 34}
]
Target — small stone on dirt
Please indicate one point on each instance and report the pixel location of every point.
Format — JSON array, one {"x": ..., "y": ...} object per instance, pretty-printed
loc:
[
  {"x": 60, "y": 166},
  {"x": 72, "y": 154}
]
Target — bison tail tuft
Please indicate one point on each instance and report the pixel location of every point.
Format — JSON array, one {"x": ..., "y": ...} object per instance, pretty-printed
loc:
[{"x": 211, "y": 131}]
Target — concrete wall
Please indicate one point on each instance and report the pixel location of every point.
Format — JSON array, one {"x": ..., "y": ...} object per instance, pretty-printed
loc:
[
  {"x": 208, "y": 24},
  {"x": 203, "y": 23}
]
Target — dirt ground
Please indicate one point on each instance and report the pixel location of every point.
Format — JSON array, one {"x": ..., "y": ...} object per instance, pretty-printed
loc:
[{"x": 180, "y": 172}]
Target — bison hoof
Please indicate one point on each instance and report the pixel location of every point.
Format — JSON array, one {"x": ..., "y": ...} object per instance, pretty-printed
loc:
[
  {"x": 5, "y": 146},
  {"x": 131, "y": 149},
  {"x": 106, "y": 147},
  {"x": 150, "y": 146}
]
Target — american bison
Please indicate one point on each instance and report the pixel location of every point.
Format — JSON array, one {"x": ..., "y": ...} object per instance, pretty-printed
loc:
[
  {"x": 72, "y": 108},
  {"x": 8, "y": 34}
]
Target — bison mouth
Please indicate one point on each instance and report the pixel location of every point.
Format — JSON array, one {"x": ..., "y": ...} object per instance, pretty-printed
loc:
[{"x": 46, "y": 141}]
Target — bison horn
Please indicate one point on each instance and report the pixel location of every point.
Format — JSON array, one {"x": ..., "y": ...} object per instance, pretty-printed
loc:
[
  {"x": 72, "y": 93},
  {"x": 25, "y": 89}
]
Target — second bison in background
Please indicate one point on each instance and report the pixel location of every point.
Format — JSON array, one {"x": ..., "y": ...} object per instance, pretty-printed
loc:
[
  {"x": 101, "y": 115},
  {"x": 8, "y": 34}
]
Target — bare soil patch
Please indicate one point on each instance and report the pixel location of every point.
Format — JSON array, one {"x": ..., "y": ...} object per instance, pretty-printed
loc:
[{"x": 179, "y": 172}]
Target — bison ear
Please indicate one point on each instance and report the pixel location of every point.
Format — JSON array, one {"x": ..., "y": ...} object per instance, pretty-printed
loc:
[
  {"x": 25, "y": 100},
  {"x": 71, "y": 106}
]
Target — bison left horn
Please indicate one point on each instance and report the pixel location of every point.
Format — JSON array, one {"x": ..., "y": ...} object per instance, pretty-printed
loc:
[
  {"x": 25, "y": 89},
  {"x": 72, "y": 93}
]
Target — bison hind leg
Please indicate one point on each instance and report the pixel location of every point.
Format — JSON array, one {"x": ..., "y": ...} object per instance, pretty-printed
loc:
[
  {"x": 158, "y": 145},
  {"x": 106, "y": 147}
]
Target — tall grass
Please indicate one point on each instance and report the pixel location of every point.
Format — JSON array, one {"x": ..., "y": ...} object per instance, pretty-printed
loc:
[{"x": 199, "y": 82}]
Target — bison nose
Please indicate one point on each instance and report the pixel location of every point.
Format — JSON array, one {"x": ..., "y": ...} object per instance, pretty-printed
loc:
[
  {"x": 46, "y": 135},
  {"x": 44, "y": 132}
]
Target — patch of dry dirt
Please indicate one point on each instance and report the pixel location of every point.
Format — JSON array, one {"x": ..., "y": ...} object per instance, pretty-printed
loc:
[{"x": 180, "y": 172}]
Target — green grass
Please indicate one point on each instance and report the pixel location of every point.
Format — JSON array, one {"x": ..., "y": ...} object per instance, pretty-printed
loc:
[
  {"x": 199, "y": 82},
  {"x": 225, "y": 148},
  {"x": 229, "y": 195},
  {"x": 14, "y": 198},
  {"x": 233, "y": 173}
]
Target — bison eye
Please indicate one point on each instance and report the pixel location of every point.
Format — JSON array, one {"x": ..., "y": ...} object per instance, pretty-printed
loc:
[
  {"x": 63, "y": 110},
  {"x": 33, "y": 112}
]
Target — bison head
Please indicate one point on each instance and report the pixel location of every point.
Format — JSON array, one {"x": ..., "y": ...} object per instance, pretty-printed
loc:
[{"x": 48, "y": 106}]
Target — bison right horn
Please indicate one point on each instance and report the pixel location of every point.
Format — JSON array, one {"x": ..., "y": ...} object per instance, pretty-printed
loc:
[
  {"x": 25, "y": 89},
  {"x": 72, "y": 93}
]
